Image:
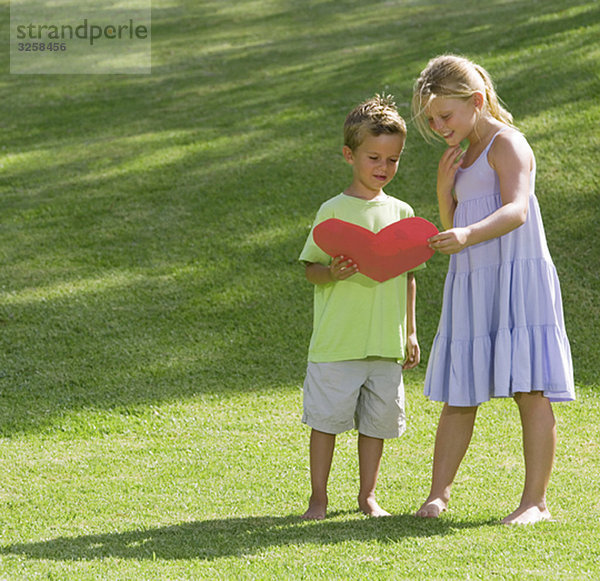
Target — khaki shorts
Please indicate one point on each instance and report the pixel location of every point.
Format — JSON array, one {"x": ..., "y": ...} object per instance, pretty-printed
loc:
[{"x": 366, "y": 394}]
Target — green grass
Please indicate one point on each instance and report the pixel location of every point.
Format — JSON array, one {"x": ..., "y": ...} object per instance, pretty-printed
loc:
[{"x": 154, "y": 321}]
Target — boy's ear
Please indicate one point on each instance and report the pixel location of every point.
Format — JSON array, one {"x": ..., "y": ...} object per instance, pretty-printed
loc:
[{"x": 347, "y": 153}]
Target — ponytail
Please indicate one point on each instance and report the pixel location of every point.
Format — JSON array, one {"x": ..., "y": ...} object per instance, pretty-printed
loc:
[{"x": 494, "y": 105}]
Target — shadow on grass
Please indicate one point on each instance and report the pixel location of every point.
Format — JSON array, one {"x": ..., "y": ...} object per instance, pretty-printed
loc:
[
  {"x": 214, "y": 539},
  {"x": 150, "y": 257}
]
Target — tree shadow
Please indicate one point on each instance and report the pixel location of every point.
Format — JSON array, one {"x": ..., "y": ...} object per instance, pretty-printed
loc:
[
  {"x": 214, "y": 539},
  {"x": 126, "y": 214}
]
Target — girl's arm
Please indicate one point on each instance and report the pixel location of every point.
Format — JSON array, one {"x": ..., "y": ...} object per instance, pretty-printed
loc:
[
  {"x": 413, "y": 353},
  {"x": 512, "y": 159}
]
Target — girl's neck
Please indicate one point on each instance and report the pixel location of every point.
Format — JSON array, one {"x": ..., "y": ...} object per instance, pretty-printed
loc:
[
  {"x": 482, "y": 134},
  {"x": 483, "y": 131}
]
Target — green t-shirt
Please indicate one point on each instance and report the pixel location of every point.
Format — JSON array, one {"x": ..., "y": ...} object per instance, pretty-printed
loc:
[{"x": 358, "y": 317}]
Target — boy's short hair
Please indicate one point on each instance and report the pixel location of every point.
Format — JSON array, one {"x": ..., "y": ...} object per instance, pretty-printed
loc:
[{"x": 377, "y": 116}]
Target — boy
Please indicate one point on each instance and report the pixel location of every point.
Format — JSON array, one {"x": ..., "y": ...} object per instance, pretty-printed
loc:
[{"x": 362, "y": 328}]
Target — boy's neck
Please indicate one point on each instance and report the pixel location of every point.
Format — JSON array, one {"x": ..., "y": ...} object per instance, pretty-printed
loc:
[{"x": 362, "y": 194}]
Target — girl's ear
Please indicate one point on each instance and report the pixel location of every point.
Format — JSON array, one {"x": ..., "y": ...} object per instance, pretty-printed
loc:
[
  {"x": 347, "y": 153},
  {"x": 478, "y": 100}
]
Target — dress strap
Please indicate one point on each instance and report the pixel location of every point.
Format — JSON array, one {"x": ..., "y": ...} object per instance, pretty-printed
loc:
[{"x": 487, "y": 147}]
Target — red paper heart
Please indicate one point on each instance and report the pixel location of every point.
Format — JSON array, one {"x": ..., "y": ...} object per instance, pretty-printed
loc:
[{"x": 395, "y": 249}]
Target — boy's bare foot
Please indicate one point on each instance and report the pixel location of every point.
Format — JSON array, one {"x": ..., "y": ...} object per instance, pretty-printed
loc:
[
  {"x": 527, "y": 515},
  {"x": 432, "y": 508},
  {"x": 316, "y": 510},
  {"x": 370, "y": 507}
]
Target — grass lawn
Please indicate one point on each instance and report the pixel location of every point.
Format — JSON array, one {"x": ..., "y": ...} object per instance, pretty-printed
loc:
[{"x": 154, "y": 320}]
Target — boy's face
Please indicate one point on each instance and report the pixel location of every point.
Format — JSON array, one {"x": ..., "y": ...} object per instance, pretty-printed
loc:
[{"x": 375, "y": 163}]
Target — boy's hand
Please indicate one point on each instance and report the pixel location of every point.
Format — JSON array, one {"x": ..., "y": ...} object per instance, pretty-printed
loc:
[
  {"x": 413, "y": 352},
  {"x": 342, "y": 268}
]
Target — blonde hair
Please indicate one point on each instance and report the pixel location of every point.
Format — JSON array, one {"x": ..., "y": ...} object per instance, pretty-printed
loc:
[
  {"x": 454, "y": 77},
  {"x": 377, "y": 116}
]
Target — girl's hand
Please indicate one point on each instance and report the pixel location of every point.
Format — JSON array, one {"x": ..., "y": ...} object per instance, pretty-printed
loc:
[
  {"x": 450, "y": 161},
  {"x": 450, "y": 241},
  {"x": 342, "y": 268}
]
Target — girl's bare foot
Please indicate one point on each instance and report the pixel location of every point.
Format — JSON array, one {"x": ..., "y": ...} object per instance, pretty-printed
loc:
[
  {"x": 527, "y": 515},
  {"x": 317, "y": 509},
  {"x": 370, "y": 507},
  {"x": 432, "y": 508}
]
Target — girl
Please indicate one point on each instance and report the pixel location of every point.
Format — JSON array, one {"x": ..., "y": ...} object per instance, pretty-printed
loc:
[{"x": 501, "y": 331}]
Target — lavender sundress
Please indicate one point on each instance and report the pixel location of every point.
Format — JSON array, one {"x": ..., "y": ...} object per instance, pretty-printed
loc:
[{"x": 501, "y": 328}]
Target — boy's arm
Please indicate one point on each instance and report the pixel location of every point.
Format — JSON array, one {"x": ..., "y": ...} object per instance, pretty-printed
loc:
[
  {"x": 340, "y": 269},
  {"x": 413, "y": 353}
]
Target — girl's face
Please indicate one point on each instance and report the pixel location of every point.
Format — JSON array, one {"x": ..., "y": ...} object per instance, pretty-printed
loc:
[
  {"x": 454, "y": 119},
  {"x": 375, "y": 163}
]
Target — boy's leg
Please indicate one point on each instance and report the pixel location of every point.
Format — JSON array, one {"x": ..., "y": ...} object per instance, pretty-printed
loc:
[
  {"x": 453, "y": 436},
  {"x": 539, "y": 445},
  {"x": 380, "y": 413},
  {"x": 321, "y": 455},
  {"x": 370, "y": 451}
]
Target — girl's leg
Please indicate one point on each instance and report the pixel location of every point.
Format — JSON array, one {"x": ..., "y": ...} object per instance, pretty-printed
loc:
[
  {"x": 370, "y": 451},
  {"x": 539, "y": 445},
  {"x": 321, "y": 455},
  {"x": 453, "y": 436}
]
